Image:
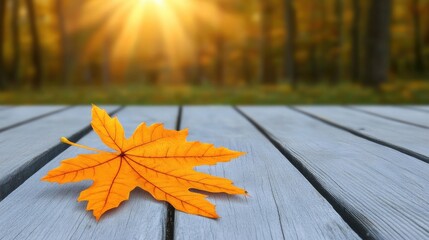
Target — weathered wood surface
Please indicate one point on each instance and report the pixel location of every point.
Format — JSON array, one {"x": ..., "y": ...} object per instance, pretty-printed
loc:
[
  {"x": 403, "y": 137},
  {"x": 26, "y": 148},
  {"x": 399, "y": 114},
  {"x": 383, "y": 190},
  {"x": 41, "y": 210},
  {"x": 3, "y": 107},
  {"x": 419, "y": 108},
  {"x": 282, "y": 203},
  {"x": 307, "y": 178},
  {"x": 15, "y": 116}
]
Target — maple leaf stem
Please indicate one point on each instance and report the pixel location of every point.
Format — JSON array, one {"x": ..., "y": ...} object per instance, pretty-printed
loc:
[
  {"x": 155, "y": 159},
  {"x": 65, "y": 140}
]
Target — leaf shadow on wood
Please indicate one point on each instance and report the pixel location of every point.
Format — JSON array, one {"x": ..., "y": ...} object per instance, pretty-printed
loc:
[
  {"x": 68, "y": 192},
  {"x": 220, "y": 196},
  {"x": 138, "y": 199},
  {"x": 63, "y": 190}
]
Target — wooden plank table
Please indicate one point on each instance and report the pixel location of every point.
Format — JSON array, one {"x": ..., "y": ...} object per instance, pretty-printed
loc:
[{"x": 327, "y": 172}]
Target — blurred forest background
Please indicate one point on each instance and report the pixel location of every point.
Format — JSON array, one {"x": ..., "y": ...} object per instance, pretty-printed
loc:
[{"x": 214, "y": 51}]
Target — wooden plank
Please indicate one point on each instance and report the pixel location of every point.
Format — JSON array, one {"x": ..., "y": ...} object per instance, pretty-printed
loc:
[
  {"x": 12, "y": 117},
  {"x": 282, "y": 203},
  {"x": 399, "y": 114},
  {"x": 26, "y": 148},
  {"x": 402, "y": 137},
  {"x": 382, "y": 189},
  {"x": 419, "y": 108},
  {"x": 50, "y": 211}
]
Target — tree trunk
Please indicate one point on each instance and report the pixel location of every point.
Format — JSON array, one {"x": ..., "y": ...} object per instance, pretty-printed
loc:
[
  {"x": 219, "y": 62},
  {"x": 314, "y": 63},
  {"x": 355, "y": 38},
  {"x": 195, "y": 69},
  {"x": 246, "y": 70},
  {"x": 314, "y": 45},
  {"x": 418, "y": 49},
  {"x": 377, "y": 43},
  {"x": 338, "y": 68},
  {"x": 219, "y": 70},
  {"x": 323, "y": 60},
  {"x": 198, "y": 71},
  {"x": 2, "y": 37},
  {"x": 106, "y": 63},
  {"x": 65, "y": 48},
  {"x": 267, "y": 73},
  {"x": 426, "y": 29},
  {"x": 290, "y": 29},
  {"x": 15, "y": 43},
  {"x": 36, "y": 82}
]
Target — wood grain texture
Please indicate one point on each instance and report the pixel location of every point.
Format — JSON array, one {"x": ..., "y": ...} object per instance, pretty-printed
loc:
[
  {"x": 13, "y": 116},
  {"x": 282, "y": 203},
  {"x": 400, "y": 114},
  {"x": 384, "y": 190},
  {"x": 50, "y": 211},
  {"x": 26, "y": 148},
  {"x": 419, "y": 107},
  {"x": 410, "y": 139}
]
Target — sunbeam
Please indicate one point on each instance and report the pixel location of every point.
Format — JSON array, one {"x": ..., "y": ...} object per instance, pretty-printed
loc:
[{"x": 153, "y": 28}]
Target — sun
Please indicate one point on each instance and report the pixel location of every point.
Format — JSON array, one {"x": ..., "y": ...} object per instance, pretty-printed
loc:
[
  {"x": 154, "y": 1},
  {"x": 150, "y": 28}
]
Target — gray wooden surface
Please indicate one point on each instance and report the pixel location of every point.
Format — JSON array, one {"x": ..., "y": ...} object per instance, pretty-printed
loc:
[
  {"x": 408, "y": 138},
  {"x": 273, "y": 183},
  {"x": 399, "y": 114},
  {"x": 14, "y": 116},
  {"x": 338, "y": 174},
  {"x": 54, "y": 206},
  {"x": 419, "y": 108},
  {"x": 27, "y": 145},
  {"x": 369, "y": 180}
]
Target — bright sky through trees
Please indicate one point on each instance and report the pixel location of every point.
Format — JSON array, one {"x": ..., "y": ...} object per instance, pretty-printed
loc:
[
  {"x": 151, "y": 28},
  {"x": 210, "y": 42}
]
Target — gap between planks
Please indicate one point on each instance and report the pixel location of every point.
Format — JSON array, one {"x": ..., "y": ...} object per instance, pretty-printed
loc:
[
  {"x": 14, "y": 125},
  {"x": 170, "y": 218},
  {"x": 423, "y": 108},
  {"x": 170, "y": 224},
  {"x": 55, "y": 207},
  {"x": 41, "y": 160},
  {"x": 386, "y": 117},
  {"x": 367, "y": 137},
  {"x": 384, "y": 208},
  {"x": 345, "y": 215},
  {"x": 284, "y": 205}
]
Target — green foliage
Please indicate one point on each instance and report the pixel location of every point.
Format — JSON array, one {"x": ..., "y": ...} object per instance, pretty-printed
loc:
[{"x": 410, "y": 92}]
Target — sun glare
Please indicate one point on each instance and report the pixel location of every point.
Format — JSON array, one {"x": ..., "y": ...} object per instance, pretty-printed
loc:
[
  {"x": 154, "y": 1},
  {"x": 147, "y": 29}
]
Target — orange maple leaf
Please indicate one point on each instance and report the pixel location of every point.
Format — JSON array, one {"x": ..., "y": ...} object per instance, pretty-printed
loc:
[{"x": 155, "y": 159}]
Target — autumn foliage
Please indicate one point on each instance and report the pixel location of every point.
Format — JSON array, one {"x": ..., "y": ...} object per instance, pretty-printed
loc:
[{"x": 155, "y": 159}]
